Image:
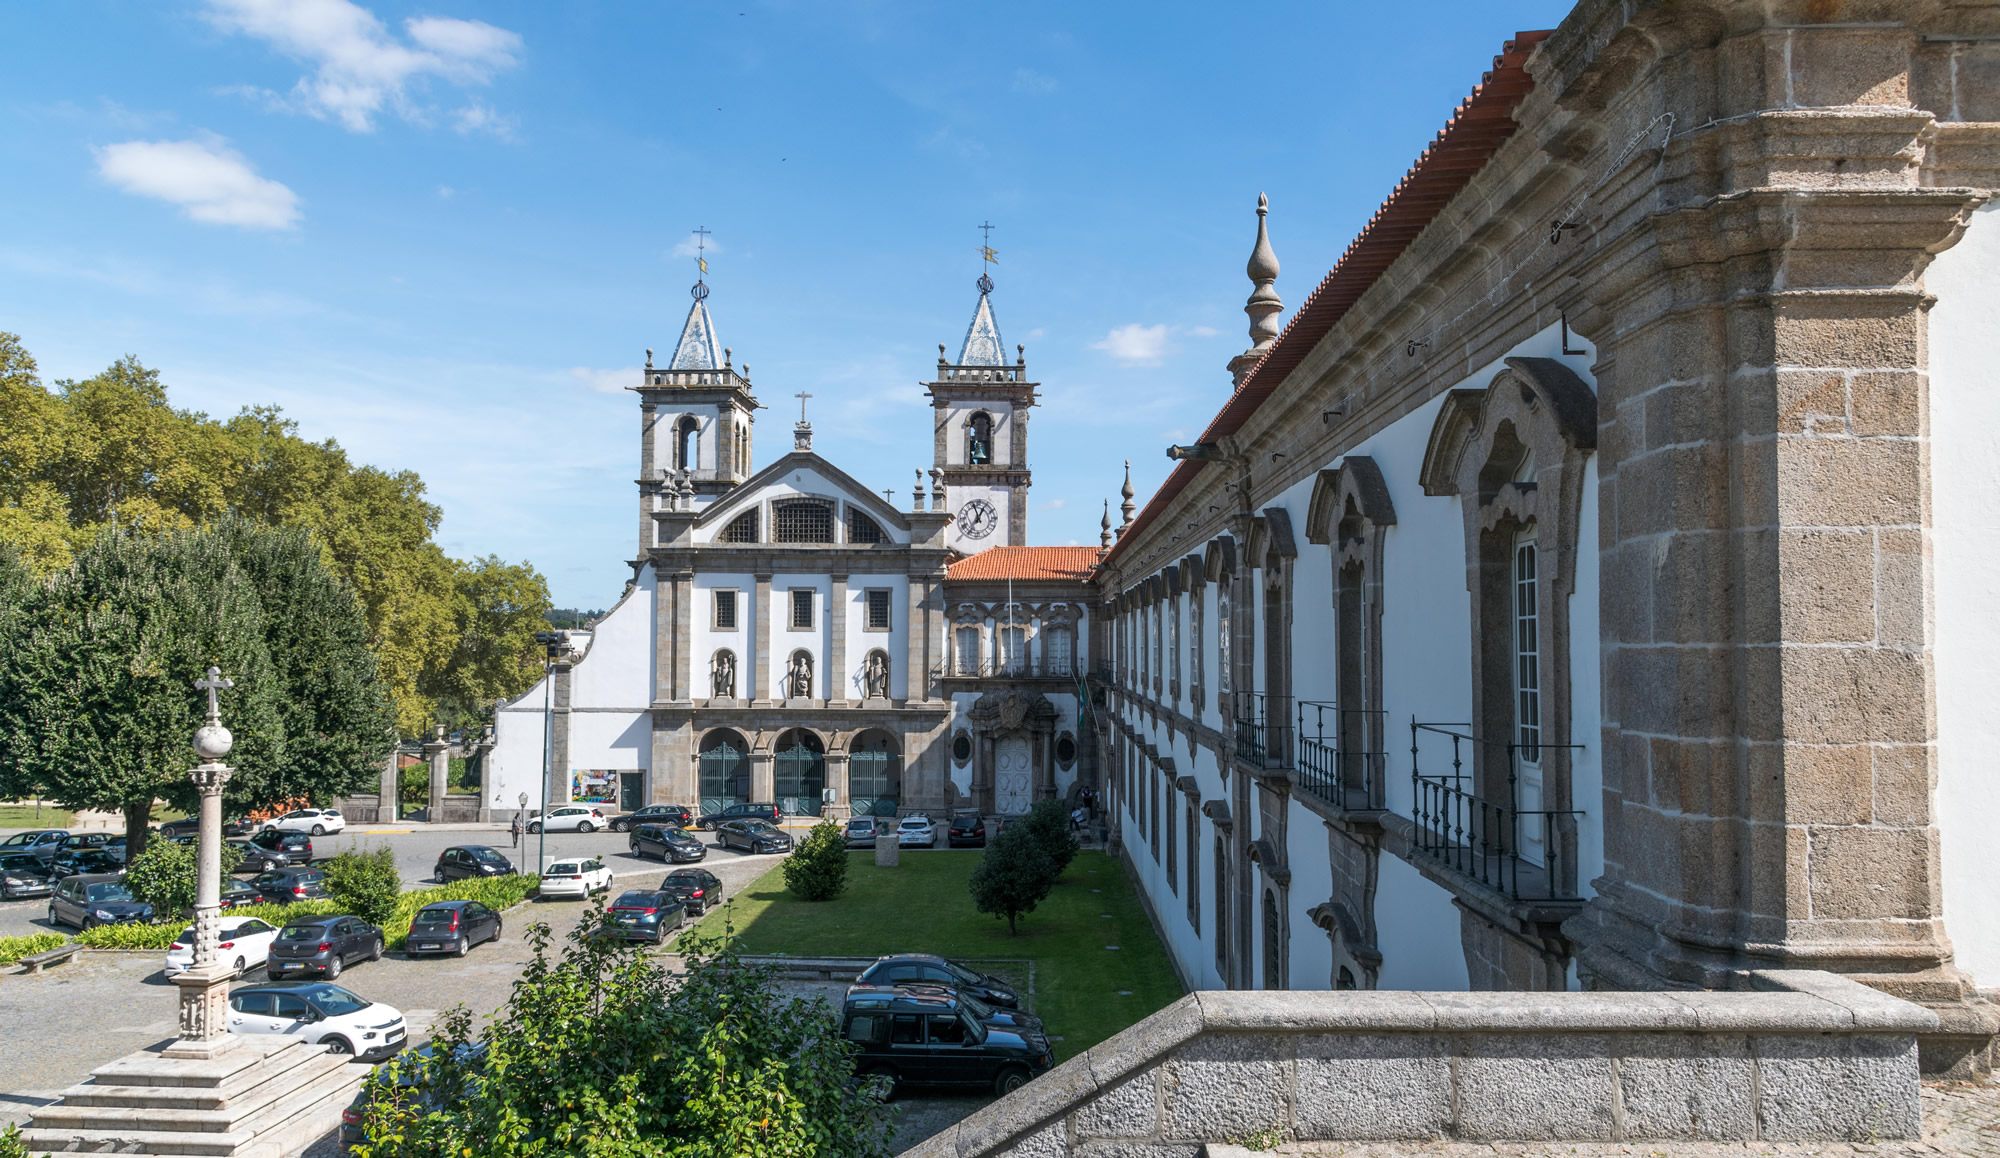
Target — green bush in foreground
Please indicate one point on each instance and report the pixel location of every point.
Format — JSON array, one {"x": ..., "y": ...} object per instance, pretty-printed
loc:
[
  {"x": 12, "y": 949},
  {"x": 163, "y": 875},
  {"x": 817, "y": 870},
  {"x": 11, "y": 1145},
  {"x": 367, "y": 883}
]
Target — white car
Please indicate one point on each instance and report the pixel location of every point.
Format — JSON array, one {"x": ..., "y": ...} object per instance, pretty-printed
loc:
[
  {"x": 320, "y": 1013},
  {"x": 576, "y": 817},
  {"x": 576, "y": 877},
  {"x": 916, "y": 832},
  {"x": 318, "y": 821},
  {"x": 246, "y": 942}
]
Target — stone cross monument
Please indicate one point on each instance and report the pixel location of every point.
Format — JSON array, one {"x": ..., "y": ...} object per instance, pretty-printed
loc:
[{"x": 205, "y": 987}]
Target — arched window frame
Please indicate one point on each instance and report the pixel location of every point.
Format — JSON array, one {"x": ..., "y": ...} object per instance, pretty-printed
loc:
[
  {"x": 979, "y": 437},
  {"x": 1351, "y": 513},
  {"x": 687, "y": 443}
]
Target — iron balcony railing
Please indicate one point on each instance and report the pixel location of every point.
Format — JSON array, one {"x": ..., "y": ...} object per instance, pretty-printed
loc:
[
  {"x": 1493, "y": 841},
  {"x": 1036, "y": 667},
  {"x": 1263, "y": 727},
  {"x": 1336, "y": 760}
]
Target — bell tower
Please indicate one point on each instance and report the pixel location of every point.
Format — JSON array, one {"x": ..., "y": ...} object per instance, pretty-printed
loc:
[
  {"x": 696, "y": 418},
  {"x": 981, "y": 404}
]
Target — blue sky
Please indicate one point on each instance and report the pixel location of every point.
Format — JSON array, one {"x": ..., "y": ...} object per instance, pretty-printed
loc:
[{"x": 445, "y": 234}]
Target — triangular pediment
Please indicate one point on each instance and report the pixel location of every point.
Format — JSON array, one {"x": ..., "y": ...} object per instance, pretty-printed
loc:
[{"x": 839, "y": 484}]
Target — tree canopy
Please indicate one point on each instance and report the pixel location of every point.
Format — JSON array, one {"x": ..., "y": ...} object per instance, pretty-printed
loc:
[{"x": 450, "y": 637}]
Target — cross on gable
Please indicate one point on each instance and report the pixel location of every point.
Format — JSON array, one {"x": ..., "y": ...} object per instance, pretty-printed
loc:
[{"x": 802, "y": 396}]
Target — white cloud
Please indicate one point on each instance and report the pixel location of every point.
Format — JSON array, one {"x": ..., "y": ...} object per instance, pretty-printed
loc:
[
  {"x": 479, "y": 118},
  {"x": 360, "y": 68},
  {"x": 1135, "y": 345},
  {"x": 687, "y": 248},
  {"x": 1055, "y": 504},
  {"x": 208, "y": 180},
  {"x": 445, "y": 191},
  {"x": 605, "y": 381},
  {"x": 1028, "y": 80},
  {"x": 1202, "y": 331}
]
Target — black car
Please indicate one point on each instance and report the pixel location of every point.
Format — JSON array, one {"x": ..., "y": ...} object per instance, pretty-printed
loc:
[
  {"x": 469, "y": 862},
  {"x": 765, "y": 812},
  {"x": 646, "y": 915},
  {"x": 923, "y": 968},
  {"x": 989, "y": 1014},
  {"x": 322, "y": 946},
  {"x": 77, "y": 861},
  {"x": 701, "y": 888},
  {"x": 235, "y": 892},
  {"x": 89, "y": 901},
  {"x": 41, "y": 842},
  {"x": 752, "y": 836},
  {"x": 452, "y": 927},
  {"x": 678, "y": 815},
  {"x": 666, "y": 841},
  {"x": 188, "y": 826},
  {"x": 293, "y": 847},
  {"x": 285, "y": 885},
  {"x": 254, "y": 858},
  {"x": 24, "y": 875},
  {"x": 968, "y": 830},
  {"x": 413, "y": 1082},
  {"x": 932, "y": 1039}
]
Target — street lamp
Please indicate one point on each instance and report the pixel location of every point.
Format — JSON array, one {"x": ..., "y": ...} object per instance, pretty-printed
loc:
[{"x": 553, "y": 641}]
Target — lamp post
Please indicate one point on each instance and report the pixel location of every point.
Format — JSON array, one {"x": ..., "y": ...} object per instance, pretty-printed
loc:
[
  {"x": 205, "y": 987},
  {"x": 553, "y": 641}
]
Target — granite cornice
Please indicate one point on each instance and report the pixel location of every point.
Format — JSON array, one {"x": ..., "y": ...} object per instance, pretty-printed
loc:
[{"x": 896, "y": 559}]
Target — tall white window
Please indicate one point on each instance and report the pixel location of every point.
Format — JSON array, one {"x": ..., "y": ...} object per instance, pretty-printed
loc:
[
  {"x": 968, "y": 650},
  {"x": 1056, "y": 650},
  {"x": 1527, "y": 654},
  {"x": 1013, "y": 647},
  {"x": 1222, "y": 628},
  {"x": 1174, "y": 642}
]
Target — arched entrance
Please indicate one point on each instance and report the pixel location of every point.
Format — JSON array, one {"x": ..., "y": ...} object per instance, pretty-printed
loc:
[
  {"x": 799, "y": 767},
  {"x": 874, "y": 774},
  {"x": 1013, "y": 775},
  {"x": 725, "y": 770}
]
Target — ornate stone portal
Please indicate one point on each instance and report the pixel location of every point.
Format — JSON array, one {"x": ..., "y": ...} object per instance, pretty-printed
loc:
[{"x": 205, "y": 987}]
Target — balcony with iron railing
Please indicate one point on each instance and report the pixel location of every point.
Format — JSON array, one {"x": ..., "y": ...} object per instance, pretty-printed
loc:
[
  {"x": 1522, "y": 854},
  {"x": 1263, "y": 728},
  {"x": 1027, "y": 668},
  {"x": 1340, "y": 760}
]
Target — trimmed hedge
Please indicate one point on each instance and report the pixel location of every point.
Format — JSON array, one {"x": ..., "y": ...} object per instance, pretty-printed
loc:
[
  {"x": 12, "y": 949},
  {"x": 496, "y": 893}
]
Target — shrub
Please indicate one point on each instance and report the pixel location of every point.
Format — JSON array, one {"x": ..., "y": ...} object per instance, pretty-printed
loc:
[
  {"x": 366, "y": 883},
  {"x": 817, "y": 871},
  {"x": 163, "y": 874},
  {"x": 1013, "y": 876},
  {"x": 496, "y": 893},
  {"x": 1048, "y": 823},
  {"x": 12, "y": 949},
  {"x": 11, "y": 1145},
  {"x": 132, "y": 936}
]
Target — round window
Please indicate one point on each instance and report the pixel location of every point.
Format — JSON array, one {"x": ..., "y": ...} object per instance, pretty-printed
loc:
[
  {"x": 1066, "y": 750},
  {"x": 961, "y": 748}
]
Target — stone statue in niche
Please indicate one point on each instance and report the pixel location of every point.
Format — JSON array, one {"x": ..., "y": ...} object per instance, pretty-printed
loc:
[
  {"x": 722, "y": 676},
  {"x": 799, "y": 677},
  {"x": 875, "y": 676}
]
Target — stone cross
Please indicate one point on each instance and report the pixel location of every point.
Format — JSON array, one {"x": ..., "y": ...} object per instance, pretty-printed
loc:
[
  {"x": 802, "y": 396},
  {"x": 213, "y": 684},
  {"x": 205, "y": 987}
]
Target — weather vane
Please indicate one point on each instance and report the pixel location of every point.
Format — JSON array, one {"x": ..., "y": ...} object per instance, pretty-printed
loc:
[
  {"x": 700, "y": 290},
  {"x": 987, "y": 255}
]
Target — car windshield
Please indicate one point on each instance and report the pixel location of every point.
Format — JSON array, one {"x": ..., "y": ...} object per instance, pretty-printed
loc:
[
  {"x": 332, "y": 1000},
  {"x": 433, "y": 917},
  {"x": 108, "y": 892},
  {"x": 302, "y": 933},
  {"x": 486, "y": 856},
  {"x": 20, "y": 840},
  {"x": 964, "y": 974},
  {"x": 20, "y": 864},
  {"x": 566, "y": 868},
  {"x": 974, "y": 1006}
]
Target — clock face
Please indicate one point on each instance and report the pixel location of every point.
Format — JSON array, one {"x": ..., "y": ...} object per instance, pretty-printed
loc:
[{"x": 977, "y": 519}]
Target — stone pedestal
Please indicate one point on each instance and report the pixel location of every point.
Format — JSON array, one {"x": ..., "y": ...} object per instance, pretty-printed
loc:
[
  {"x": 438, "y": 752},
  {"x": 888, "y": 850}
]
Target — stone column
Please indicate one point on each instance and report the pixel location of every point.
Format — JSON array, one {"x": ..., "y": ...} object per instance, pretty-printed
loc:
[
  {"x": 836, "y": 779},
  {"x": 391, "y": 788},
  {"x": 648, "y": 478},
  {"x": 438, "y": 752},
  {"x": 483, "y": 752},
  {"x": 559, "y": 782},
  {"x": 763, "y": 779},
  {"x": 757, "y": 689},
  {"x": 685, "y": 669},
  {"x": 916, "y": 675},
  {"x": 204, "y": 1008},
  {"x": 836, "y": 665}
]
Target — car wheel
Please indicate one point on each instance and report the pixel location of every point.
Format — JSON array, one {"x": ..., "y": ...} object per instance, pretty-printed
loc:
[
  {"x": 496, "y": 932},
  {"x": 585, "y": 826},
  {"x": 333, "y": 967},
  {"x": 376, "y": 953},
  {"x": 535, "y": 826},
  {"x": 319, "y": 830},
  {"x": 89, "y": 923},
  {"x": 438, "y": 876},
  {"x": 337, "y": 1045},
  {"x": 52, "y": 916},
  {"x": 618, "y": 826},
  {"x": 1012, "y": 1078},
  {"x": 240, "y": 966},
  {"x": 463, "y": 944}
]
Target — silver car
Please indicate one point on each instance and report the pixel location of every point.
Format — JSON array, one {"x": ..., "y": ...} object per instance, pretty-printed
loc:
[
  {"x": 862, "y": 831},
  {"x": 916, "y": 832}
]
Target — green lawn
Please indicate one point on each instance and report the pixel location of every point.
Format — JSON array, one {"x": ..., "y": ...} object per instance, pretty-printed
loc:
[
  {"x": 23, "y": 816},
  {"x": 922, "y": 906}
]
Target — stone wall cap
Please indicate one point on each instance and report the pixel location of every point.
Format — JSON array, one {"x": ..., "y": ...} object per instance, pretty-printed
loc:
[
  {"x": 1870, "y": 1008},
  {"x": 1559, "y": 1012},
  {"x": 1314, "y": 1012}
]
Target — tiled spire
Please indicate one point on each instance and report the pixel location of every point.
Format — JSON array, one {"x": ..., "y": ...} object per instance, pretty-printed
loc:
[
  {"x": 982, "y": 338},
  {"x": 697, "y": 349}
]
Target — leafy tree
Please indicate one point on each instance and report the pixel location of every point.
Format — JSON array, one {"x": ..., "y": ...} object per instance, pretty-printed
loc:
[
  {"x": 600, "y": 1053},
  {"x": 1013, "y": 876},
  {"x": 1048, "y": 823},
  {"x": 817, "y": 869},
  {"x": 164, "y": 875},
  {"x": 366, "y": 882},
  {"x": 497, "y": 607}
]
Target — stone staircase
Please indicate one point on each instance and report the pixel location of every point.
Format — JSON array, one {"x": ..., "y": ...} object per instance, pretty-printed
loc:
[{"x": 266, "y": 1098}]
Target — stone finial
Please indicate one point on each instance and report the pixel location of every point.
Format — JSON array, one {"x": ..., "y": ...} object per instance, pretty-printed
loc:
[
  {"x": 1127, "y": 506},
  {"x": 937, "y": 489},
  {"x": 1104, "y": 532},
  {"x": 1264, "y": 305},
  {"x": 917, "y": 492},
  {"x": 649, "y": 357}
]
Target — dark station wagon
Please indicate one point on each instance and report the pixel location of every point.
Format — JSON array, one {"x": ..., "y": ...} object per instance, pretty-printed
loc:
[{"x": 931, "y": 1039}]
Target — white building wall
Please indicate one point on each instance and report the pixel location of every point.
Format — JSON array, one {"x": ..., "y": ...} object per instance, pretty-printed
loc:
[
  {"x": 957, "y": 496},
  {"x": 785, "y": 639},
  {"x": 1311, "y": 965},
  {"x": 1965, "y": 545},
  {"x": 860, "y": 641},
  {"x": 1417, "y": 930},
  {"x": 618, "y": 670},
  {"x": 704, "y": 640},
  {"x": 958, "y": 415}
]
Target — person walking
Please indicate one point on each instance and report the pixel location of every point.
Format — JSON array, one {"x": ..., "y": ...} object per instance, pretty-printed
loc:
[{"x": 514, "y": 826}]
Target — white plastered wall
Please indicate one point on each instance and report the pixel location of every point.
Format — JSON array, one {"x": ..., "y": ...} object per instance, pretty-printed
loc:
[
  {"x": 785, "y": 640},
  {"x": 957, "y": 496},
  {"x": 861, "y": 641},
  {"x": 1965, "y": 549},
  {"x": 704, "y": 640}
]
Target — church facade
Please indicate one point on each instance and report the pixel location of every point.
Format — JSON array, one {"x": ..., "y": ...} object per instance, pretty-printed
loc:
[{"x": 791, "y": 637}]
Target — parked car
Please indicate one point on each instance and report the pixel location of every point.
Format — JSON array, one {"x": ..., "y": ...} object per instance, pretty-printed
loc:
[
  {"x": 244, "y": 946},
  {"x": 188, "y": 826},
  {"x": 72, "y": 862},
  {"x": 752, "y": 836},
  {"x": 235, "y": 892},
  {"x": 80, "y": 840},
  {"x": 904, "y": 968},
  {"x": 319, "y": 1014},
  {"x": 968, "y": 830},
  {"x": 862, "y": 831},
  {"x": 24, "y": 874},
  {"x": 41, "y": 842},
  {"x": 412, "y": 1075},
  {"x": 701, "y": 888},
  {"x": 470, "y": 862},
  {"x": 285, "y": 885},
  {"x": 87, "y": 901},
  {"x": 932, "y": 1039},
  {"x": 317, "y": 821},
  {"x": 646, "y": 915},
  {"x": 292, "y": 847},
  {"x": 916, "y": 832},
  {"x": 576, "y": 877},
  {"x": 571, "y": 817},
  {"x": 452, "y": 927},
  {"x": 323, "y": 945},
  {"x": 678, "y": 815},
  {"x": 666, "y": 841},
  {"x": 766, "y": 812},
  {"x": 989, "y": 1014},
  {"x": 255, "y": 858}
]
